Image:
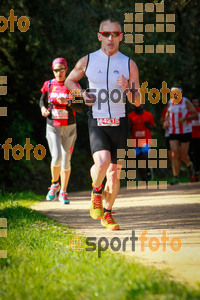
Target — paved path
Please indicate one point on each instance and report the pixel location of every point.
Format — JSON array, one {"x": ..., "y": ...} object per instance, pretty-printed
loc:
[{"x": 175, "y": 210}]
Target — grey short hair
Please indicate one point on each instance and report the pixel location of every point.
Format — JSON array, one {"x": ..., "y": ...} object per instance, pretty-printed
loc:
[{"x": 111, "y": 20}]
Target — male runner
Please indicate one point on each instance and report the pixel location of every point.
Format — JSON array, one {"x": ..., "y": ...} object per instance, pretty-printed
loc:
[
  {"x": 178, "y": 120},
  {"x": 195, "y": 141},
  {"x": 109, "y": 73},
  {"x": 162, "y": 120}
]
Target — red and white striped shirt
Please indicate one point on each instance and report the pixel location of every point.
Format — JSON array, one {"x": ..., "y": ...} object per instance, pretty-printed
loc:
[{"x": 177, "y": 112}]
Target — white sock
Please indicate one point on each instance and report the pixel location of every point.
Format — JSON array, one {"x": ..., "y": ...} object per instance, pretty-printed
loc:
[{"x": 61, "y": 191}]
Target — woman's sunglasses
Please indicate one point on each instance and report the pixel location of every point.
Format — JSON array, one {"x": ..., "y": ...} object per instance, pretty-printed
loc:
[{"x": 59, "y": 70}]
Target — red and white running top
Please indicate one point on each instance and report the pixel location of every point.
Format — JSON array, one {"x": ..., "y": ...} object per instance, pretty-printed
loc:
[
  {"x": 177, "y": 112},
  {"x": 60, "y": 115}
]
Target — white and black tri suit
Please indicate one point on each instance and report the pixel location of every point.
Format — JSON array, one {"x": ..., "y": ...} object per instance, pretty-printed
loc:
[{"x": 108, "y": 121}]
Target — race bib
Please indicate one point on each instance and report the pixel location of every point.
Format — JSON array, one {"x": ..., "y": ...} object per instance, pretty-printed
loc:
[
  {"x": 108, "y": 122},
  {"x": 59, "y": 114},
  {"x": 140, "y": 133}
]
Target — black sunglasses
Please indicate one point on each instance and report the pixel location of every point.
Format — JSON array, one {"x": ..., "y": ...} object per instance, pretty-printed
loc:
[
  {"x": 108, "y": 33},
  {"x": 59, "y": 70}
]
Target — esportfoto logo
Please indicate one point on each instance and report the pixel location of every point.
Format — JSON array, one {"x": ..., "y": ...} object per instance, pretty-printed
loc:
[{"x": 116, "y": 244}]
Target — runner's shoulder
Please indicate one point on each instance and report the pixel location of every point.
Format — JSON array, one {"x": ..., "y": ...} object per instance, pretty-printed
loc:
[
  {"x": 82, "y": 63},
  {"x": 45, "y": 86},
  {"x": 131, "y": 114},
  {"x": 133, "y": 65}
]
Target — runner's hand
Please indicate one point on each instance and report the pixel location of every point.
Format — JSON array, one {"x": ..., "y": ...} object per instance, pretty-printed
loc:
[
  {"x": 123, "y": 82},
  {"x": 45, "y": 112},
  {"x": 181, "y": 121},
  {"x": 62, "y": 100},
  {"x": 166, "y": 125},
  {"x": 88, "y": 98}
]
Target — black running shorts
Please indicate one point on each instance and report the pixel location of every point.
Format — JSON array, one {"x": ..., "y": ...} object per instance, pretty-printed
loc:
[
  {"x": 182, "y": 137},
  {"x": 167, "y": 143},
  {"x": 108, "y": 138}
]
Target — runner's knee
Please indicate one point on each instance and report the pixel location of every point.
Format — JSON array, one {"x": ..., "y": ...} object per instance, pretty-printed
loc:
[
  {"x": 175, "y": 154},
  {"x": 56, "y": 161},
  {"x": 102, "y": 165},
  {"x": 66, "y": 163}
]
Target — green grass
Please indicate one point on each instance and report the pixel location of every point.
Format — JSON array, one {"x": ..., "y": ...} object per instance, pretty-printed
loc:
[{"x": 41, "y": 265}]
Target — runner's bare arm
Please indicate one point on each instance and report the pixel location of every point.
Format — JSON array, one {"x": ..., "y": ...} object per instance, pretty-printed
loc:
[
  {"x": 191, "y": 109},
  {"x": 134, "y": 85},
  {"x": 75, "y": 75},
  {"x": 166, "y": 121},
  {"x": 131, "y": 86}
]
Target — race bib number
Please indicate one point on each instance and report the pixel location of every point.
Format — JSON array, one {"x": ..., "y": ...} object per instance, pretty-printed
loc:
[
  {"x": 140, "y": 133},
  {"x": 59, "y": 114},
  {"x": 108, "y": 122}
]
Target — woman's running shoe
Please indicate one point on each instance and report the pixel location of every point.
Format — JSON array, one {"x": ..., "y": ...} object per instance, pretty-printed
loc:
[
  {"x": 53, "y": 191},
  {"x": 63, "y": 198}
]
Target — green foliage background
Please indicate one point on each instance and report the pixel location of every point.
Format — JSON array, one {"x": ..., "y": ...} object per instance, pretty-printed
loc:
[{"x": 68, "y": 29}]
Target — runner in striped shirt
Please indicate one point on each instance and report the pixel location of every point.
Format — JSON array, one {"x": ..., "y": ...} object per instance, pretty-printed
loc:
[
  {"x": 178, "y": 121},
  {"x": 195, "y": 141}
]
